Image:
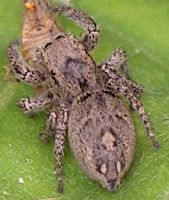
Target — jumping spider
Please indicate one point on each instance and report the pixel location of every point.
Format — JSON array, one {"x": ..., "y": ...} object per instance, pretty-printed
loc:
[{"x": 100, "y": 130}]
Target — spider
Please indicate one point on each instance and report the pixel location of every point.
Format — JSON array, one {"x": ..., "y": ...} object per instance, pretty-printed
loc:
[{"x": 86, "y": 101}]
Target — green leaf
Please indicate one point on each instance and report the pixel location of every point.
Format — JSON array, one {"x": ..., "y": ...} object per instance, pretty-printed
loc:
[{"x": 140, "y": 27}]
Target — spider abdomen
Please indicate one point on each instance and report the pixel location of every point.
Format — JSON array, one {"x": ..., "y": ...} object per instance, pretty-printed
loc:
[{"x": 101, "y": 136}]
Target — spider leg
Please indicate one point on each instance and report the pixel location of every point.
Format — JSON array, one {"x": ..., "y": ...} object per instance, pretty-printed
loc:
[
  {"x": 50, "y": 129},
  {"x": 87, "y": 23},
  {"x": 116, "y": 61},
  {"x": 32, "y": 105},
  {"x": 119, "y": 84},
  {"x": 20, "y": 67},
  {"x": 59, "y": 145},
  {"x": 57, "y": 126}
]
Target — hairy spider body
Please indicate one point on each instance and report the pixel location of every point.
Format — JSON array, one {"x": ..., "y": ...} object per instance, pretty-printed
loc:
[
  {"x": 107, "y": 150},
  {"x": 99, "y": 127},
  {"x": 70, "y": 67}
]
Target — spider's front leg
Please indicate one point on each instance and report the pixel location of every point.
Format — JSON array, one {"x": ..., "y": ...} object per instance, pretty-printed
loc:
[
  {"x": 119, "y": 85},
  {"x": 57, "y": 126},
  {"x": 116, "y": 61},
  {"x": 91, "y": 38},
  {"x": 20, "y": 67}
]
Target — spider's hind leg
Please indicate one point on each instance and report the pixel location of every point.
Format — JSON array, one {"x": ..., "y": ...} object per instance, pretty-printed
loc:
[
  {"x": 57, "y": 126},
  {"x": 119, "y": 84}
]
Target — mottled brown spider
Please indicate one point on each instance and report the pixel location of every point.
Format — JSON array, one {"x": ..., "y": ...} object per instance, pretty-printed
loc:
[{"x": 99, "y": 128}]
